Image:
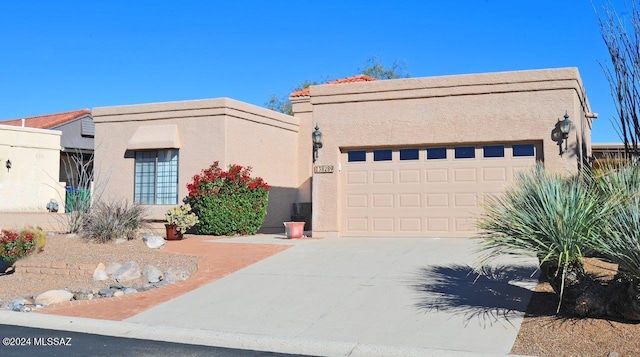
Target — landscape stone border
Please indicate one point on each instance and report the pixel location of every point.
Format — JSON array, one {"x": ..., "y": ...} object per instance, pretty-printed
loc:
[{"x": 29, "y": 268}]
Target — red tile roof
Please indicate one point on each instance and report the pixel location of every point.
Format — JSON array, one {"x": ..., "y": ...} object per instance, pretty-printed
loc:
[
  {"x": 353, "y": 79},
  {"x": 48, "y": 120}
]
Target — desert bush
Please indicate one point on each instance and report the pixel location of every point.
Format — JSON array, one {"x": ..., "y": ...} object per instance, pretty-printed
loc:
[
  {"x": 107, "y": 221},
  {"x": 553, "y": 218},
  {"x": 14, "y": 245},
  {"x": 39, "y": 237},
  {"x": 228, "y": 202}
]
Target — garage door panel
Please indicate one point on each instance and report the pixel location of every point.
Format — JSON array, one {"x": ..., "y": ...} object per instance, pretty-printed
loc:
[
  {"x": 409, "y": 176},
  {"x": 425, "y": 197},
  {"x": 357, "y": 201},
  {"x": 465, "y": 200},
  {"x": 464, "y": 175},
  {"x": 383, "y": 200},
  {"x": 437, "y": 199},
  {"x": 357, "y": 224},
  {"x": 382, "y": 176},
  {"x": 437, "y": 175},
  {"x": 383, "y": 224},
  {"x": 494, "y": 174},
  {"x": 438, "y": 224},
  {"x": 409, "y": 200},
  {"x": 411, "y": 224},
  {"x": 356, "y": 177}
]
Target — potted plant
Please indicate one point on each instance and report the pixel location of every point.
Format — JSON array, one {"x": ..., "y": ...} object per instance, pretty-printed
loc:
[{"x": 179, "y": 219}]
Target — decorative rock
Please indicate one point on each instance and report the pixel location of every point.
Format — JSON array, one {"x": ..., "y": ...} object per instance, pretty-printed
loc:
[
  {"x": 613, "y": 354},
  {"x": 107, "y": 292},
  {"x": 112, "y": 267},
  {"x": 153, "y": 242},
  {"x": 100, "y": 266},
  {"x": 117, "y": 293},
  {"x": 17, "y": 304},
  {"x": 120, "y": 240},
  {"x": 95, "y": 291},
  {"x": 116, "y": 286},
  {"x": 152, "y": 274},
  {"x": 128, "y": 271},
  {"x": 100, "y": 275},
  {"x": 128, "y": 291},
  {"x": 53, "y": 297},
  {"x": 160, "y": 284},
  {"x": 81, "y": 295},
  {"x": 176, "y": 274},
  {"x": 72, "y": 235}
]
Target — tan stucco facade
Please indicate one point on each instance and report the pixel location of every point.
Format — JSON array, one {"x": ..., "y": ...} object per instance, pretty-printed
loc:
[
  {"x": 203, "y": 131},
  {"x": 479, "y": 109},
  {"x": 32, "y": 180}
]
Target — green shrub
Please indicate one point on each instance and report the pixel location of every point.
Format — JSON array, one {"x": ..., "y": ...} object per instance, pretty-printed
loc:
[
  {"x": 14, "y": 245},
  {"x": 228, "y": 202},
  {"x": 107, "y": 221}
]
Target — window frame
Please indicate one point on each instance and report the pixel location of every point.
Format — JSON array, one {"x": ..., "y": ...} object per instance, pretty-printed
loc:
[{"x": 156, "y": 177}]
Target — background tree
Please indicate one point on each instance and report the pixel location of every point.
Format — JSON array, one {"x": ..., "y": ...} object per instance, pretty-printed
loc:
[
  {"x": 623, "y": 74},
  {"x": 373, "y": 67}
]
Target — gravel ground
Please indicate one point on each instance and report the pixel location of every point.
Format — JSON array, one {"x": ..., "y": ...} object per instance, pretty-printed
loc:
[
  {"x": 61, "y": 248},
  {"x": 544, "y": 334}
]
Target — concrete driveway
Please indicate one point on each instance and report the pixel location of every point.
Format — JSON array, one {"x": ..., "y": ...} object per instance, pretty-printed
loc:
[{"x": 357, "y": 296}]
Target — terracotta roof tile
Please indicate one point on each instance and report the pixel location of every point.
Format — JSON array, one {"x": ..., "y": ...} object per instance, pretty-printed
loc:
[
  {"x": 48, "y": 120},
  {"x": 353, "y": 79}
]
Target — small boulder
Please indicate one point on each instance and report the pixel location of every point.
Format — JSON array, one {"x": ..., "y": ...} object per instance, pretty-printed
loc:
[
  {"x": 100, "y": 275},
  {"x": 112, "y": 267},
  {"x": 53, "y": 297},
  {"x": 107, "y": 292},
  {"x": 176, "y": 274},
  {"x": 152, "y": 274},
  {"x": 153, "y": 242},
  {"x": 128, "y": 271},
  {"x": 17, "y": 304},
  {"x": 128, "y": 291},
  {"x": 118, "y": 293},
  {"x": 82, "y": 295}
]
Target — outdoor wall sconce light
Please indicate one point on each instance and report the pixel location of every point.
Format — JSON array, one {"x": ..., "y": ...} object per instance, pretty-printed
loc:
[
  {"x": 565, "y": 128},
  {"x": 317, "y": 142},
  {"x": 8, "y": 165}
]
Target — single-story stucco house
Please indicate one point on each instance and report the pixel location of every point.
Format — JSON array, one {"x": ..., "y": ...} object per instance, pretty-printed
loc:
[{"x": 399, "y": 158}]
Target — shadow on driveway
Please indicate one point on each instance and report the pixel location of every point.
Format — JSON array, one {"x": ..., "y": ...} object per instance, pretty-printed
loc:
[{"x": 491, "y": 297}]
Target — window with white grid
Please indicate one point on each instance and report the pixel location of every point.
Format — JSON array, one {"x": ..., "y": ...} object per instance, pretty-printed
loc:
[{"x": 156, "y": 177}]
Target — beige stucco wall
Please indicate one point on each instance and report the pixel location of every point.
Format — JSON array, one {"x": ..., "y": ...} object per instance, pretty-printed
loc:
[
  {"x": 481, "y": 108},
  {"x": 33, "y": 178},
  {"x": 220, "y": 129}
]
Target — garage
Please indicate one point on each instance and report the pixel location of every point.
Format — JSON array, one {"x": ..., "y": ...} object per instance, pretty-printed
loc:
[{"x": 433, "y": 191}]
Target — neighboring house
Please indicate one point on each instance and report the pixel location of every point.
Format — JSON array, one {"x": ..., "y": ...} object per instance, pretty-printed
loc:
[
  {"x": 77, "y": 140},
  {"x": 400, "y": 158},
  {"x": 29, "y": 167}
]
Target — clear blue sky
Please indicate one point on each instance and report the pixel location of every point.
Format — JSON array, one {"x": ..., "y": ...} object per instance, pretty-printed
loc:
[{"x": 64, "y": 55}]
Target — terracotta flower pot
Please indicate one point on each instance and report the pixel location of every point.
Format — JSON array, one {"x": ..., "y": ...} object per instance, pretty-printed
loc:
[
  {"x": 294, "y": 229},
  {"x": 172, "y": 232}
]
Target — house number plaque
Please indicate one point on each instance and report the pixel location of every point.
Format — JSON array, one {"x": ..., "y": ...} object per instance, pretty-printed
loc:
[{"x": 323, "y": 169}]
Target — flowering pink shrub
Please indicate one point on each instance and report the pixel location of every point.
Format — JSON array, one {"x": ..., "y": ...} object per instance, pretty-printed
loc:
[
  {"x": 14, "y": 245},
  {"x": 228, "y": 202}
]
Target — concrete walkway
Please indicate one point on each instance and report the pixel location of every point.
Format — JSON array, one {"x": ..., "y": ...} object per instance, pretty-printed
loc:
[{"x": 343, "y": 296}]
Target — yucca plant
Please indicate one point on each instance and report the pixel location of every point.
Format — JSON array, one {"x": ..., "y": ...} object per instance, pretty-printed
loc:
[
  {"x": 550, "y": 217},
  {"x": 622, "y": 243}
]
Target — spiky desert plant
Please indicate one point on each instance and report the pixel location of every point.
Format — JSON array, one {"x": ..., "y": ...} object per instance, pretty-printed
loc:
[
  {"x": 547, "y": 216},
  {"x": 106, "y": 221},
  {"x": 622, "y": 243}
]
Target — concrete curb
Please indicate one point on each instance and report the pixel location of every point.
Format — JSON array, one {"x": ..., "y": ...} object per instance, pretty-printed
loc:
[{"x": 218, "y": 339}]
